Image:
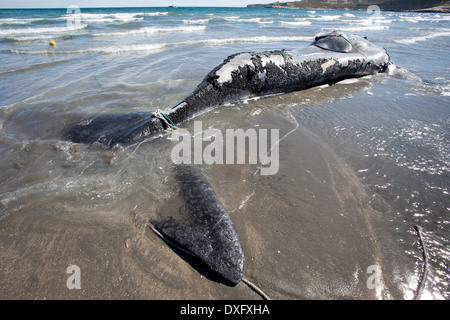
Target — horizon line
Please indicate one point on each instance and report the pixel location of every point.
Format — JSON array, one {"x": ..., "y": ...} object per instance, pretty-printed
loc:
[{"x": 99, "y": 7}]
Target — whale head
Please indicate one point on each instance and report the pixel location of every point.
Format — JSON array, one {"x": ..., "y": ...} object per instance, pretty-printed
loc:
[{"x": 337, "y": 41}]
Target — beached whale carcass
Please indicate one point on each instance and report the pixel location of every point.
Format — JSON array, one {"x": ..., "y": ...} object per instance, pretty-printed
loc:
[
  {"x": 330, "y": 58},
  {"x": 207, "y": 231}
]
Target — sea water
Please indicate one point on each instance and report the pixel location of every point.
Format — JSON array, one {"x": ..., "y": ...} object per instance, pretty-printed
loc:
[{"x": 362, "y": 162}]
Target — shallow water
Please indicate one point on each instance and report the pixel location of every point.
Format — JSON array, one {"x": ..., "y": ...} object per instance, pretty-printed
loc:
[{"x": 361, "y": 162}]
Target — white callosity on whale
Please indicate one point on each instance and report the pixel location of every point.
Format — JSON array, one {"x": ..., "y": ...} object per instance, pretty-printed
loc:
[
  {"x": 225, "y": 73},
  {"x": 330, "y": 58}
]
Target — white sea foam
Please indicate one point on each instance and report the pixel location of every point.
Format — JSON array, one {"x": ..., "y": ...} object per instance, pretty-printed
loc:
[
  {"x": 296, "y": 23},
  {"x": 196, "y": 21},
  {"x": 266, "y": 22},
  {"x": 161, "y": 46},
  {"x": 238, "y": 19},
  {"x": 111, "y": 17},
  {"x": 152, "y": 30},
  {"x": 154, "y": 13},
  {"x": 423, "y": 38},
  {"x": 417, "y": 19},
  {"x": 89, "y": 17},
  {"x": 360, "y": 28},
  {"x": 104, "y": 17},
  {"x": 42, "y": 37},
  {"x": 252, "y": 39},
  {"x": 19, "y": 21},
  {"x": 64, "y": 29},
  {"x": 368, "y": 21},
  {"x": 32, "y": 38},
  {"x": 110, "y": 49},
  {"x": 328, "y": 18}
]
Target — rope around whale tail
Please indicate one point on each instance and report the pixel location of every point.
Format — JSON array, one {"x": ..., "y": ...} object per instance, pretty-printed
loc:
[
  {"x": 250, "y": 284},
  {"x": 160, "y": 115}
]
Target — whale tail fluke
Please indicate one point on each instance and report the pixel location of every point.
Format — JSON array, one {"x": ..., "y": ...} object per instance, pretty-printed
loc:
[{"x": 207, "y": 232}]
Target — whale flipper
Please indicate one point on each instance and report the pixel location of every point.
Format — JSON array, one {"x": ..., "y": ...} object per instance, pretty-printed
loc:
[{"x": 207, "y": 232}]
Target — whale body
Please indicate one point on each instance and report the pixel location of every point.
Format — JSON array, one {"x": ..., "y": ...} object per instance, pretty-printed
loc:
[
  {"x": 330, "y": 58},
  {"x": 207, "y": 231}
]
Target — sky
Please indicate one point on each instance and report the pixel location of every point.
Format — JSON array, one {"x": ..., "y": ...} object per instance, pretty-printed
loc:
[{"x": 125, "y": 3}]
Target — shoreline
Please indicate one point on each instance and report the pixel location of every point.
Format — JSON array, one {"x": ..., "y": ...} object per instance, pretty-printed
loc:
[
  {"x": 444, "y": 8},
  {"x": 430, "y": 10}
]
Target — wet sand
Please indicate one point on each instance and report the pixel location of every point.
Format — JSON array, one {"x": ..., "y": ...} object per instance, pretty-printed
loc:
[
  {"x": 307, "y": 233},
  {"x": 119, "y": 259}
]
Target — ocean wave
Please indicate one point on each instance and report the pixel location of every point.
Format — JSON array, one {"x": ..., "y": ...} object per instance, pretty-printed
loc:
[
  {"x": 327, "y": 17},
  {"x": 258, "y": 39},
  {"x": 155, "y": 47},
  {"x": 359, "y": 28},
  {"x": 20, "y": 21},
  {"x": 9, "y": 32},
  {"x": 46, "y": 37},
  {"x": 112, "y": 17},
  {"x": 152, "y": 30},
  {"x": 368, "y": 21},
  {"x": 154, "y": 13},
  {"x": 197, "y": 21},
  {"x": 411, "y": 40},
  {"x": 85, "y": 18},
  {"x": 31, "y": 67},
  {"x": 417, "y": 19},
  {"x": 238, "y": 19},
  {"x": 103, "y": 17},
  {"x": 297, "y": 23}
]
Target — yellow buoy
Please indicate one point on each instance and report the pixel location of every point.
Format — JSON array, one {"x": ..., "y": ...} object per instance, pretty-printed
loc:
[{"x": 53, "y": 43}]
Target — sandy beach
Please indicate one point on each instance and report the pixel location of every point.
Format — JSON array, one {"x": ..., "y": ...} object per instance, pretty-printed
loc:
[
  {"x": 316, "y": 247},
  {"x": 361, "y": 162}
]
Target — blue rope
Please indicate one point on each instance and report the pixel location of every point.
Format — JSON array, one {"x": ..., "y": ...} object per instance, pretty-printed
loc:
[
  {"x": 96, "y": 70},
  {"x": 169, "y": 120}
]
